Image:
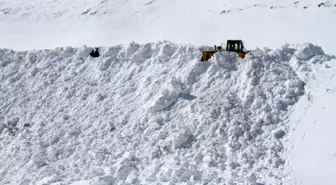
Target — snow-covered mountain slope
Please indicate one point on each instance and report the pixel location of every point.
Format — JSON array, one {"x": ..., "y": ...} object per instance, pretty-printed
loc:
[
  {"x": 149, "y": 114},
  {"x": 49, "y": 23}
]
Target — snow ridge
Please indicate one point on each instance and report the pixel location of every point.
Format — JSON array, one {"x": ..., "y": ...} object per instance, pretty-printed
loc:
[{"x": 147, "y": 114}]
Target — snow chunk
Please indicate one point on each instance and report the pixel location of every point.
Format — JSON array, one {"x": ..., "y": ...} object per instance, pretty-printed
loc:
[
  {"x": 308, "y": 51},
  {"x": 227, "y": 60},
  {"x": 31, "y": 57},
  {"x": 278, "y": 134},
  {"x": 12, "y": 122},
  {"x": 181, "y": 139},
  {"x": 39, "y": 157}
]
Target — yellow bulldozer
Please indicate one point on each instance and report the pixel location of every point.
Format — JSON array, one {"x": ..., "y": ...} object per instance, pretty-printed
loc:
[{"x": 236, "y": 46}]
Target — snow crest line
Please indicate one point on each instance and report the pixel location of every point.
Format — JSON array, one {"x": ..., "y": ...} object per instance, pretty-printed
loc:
[{"x": 148, "y": 114}]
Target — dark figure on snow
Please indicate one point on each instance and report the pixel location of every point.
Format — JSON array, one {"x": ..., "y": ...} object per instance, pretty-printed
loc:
[{"x": 94, "y": 53}]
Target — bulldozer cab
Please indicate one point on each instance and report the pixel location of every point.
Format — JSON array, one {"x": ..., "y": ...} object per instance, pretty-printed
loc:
[{"x": 235, "y": 45}]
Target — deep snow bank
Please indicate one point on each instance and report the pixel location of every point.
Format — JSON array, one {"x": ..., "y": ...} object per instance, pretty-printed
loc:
[
  {"x": 146, "y": 114},
  {"x": 311, "y": 155}
]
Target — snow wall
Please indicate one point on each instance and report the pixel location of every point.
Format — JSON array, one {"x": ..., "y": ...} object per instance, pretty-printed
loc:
[{"x": 148, "y": 114}]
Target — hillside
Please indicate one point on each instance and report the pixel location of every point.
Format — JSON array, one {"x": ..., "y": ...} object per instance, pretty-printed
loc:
[{"x": 49, "y": 24}]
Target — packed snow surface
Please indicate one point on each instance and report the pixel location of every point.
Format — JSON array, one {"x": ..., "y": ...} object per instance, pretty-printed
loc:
[
  {"x": 312, "y": 155},
  {"x": 149, "y": 114}
]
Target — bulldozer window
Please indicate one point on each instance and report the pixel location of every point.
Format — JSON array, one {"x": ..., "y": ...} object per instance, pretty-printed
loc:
[{"x": 235, "y": 46}]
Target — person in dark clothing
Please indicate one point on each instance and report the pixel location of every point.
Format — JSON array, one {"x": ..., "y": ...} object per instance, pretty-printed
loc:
[
  {"x": 94, "y": 53},
  {"x": 97, "y": 52}
]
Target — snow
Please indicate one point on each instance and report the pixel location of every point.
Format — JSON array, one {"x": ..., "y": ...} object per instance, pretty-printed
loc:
[
  {"x": 312, "y": 156},
  {"x": 148, "y": 113},
  {"x": 49, "y": 24}
]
